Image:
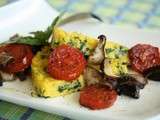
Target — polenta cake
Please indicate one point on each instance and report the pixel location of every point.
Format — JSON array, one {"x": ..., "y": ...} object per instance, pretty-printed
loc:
[
  {"x": 84, "y": 43},
  {"x": 47, "y": 86}
]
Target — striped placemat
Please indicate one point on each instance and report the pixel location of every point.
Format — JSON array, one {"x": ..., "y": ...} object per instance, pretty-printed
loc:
[
  {"x": 9, "y": 111},
  {"x": 136, "y": 13}
]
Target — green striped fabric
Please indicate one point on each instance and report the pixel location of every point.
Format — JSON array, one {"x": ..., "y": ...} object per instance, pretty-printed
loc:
[
  {"x": 135, "y": 13},
  {"x": 9, "y": 111}
]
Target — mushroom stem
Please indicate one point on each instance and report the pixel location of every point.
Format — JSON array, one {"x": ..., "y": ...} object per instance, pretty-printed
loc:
[{"x": 98, "y": 55}]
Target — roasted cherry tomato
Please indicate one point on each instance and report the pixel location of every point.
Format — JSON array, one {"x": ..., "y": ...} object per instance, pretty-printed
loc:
[
  {"x": 22, "y": 57},
  {"x": 143, "y": 57},
  {"x": 97, "y": 97},
  {"x": 66, "y": 63}
]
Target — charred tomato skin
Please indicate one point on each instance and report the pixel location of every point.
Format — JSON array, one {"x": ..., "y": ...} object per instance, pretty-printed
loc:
[
  {"x": 66, "y": 63},
  {"x": 22, "y": 57},
  {"x": 143, "y": 57},
  {"x": 97, "y": 97}
]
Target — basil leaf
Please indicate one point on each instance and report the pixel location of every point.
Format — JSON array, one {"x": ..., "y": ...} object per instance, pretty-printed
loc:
[
  {"x": 57, "y": 20},
  {"x": 28, "y": 40},
  {"x": 43, "y": 37},
  {"x": 38, "y": 38}
]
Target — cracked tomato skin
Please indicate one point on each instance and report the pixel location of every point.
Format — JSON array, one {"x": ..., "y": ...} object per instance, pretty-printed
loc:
[
  {"x": 66, "y": 63},
  {"x": 143, "y": 57},
  {"x": 22, "y": 57},
  {"x": 97, "y": 97}
]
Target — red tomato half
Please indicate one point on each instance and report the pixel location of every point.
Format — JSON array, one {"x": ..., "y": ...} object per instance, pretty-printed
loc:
[
  {"x": 22, "y": 57},
  {"x": 97, "y": 97},
  {"x": 143, "y": 57},
  {"x": 66, "y": 63}
]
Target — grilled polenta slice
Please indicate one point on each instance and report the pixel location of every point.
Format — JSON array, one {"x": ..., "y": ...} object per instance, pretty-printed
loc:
[
  {"x": 84, "y": 43},
  {"x": 117, "y": 60},
  {"x": 44, "y": 84},
  {"x": 47, "y": 86}
]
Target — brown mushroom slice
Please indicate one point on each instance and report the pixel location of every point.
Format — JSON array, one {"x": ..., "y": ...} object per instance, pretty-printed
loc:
[
  {"x": 139, "y": 77},
  {"x": 114, "y": 67},
  {"x": 7, "y": 76},
  {"x": 98, "y": 55},
  {"x": 92, "y": 76},
  {"x": 152, "y": 73},
  {"x": 131, "y": 84},
  {"x": 107, "y": 69},
  {"x": 110, "y": 82}
]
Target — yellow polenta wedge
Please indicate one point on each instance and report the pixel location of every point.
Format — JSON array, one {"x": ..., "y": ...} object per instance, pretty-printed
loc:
[
  {"x": 117, "y": 57},
  {"x": 47, "y": 86},
  {"x": 84, "y": 43}
]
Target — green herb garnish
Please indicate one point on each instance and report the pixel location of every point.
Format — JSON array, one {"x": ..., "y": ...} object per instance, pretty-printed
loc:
[
  {"x": 69, "y": 87},
  {"x": 109, "y": 50},
  {"x": 42, "y": 37}
]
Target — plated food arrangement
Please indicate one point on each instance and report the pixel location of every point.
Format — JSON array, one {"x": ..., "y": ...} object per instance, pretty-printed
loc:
[{"x": 60, "y": 63}]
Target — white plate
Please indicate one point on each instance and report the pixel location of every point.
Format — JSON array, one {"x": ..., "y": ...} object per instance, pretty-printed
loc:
[
  {"x": 147, "y": 107},
  {"x": 24, "y": 16}
]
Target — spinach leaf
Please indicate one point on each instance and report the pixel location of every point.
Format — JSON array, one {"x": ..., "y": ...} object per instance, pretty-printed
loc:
[
  {"x": 36, "y": 38},
  {"x": 26, "y": 40}
]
